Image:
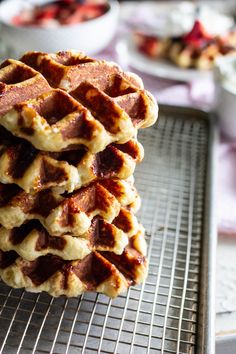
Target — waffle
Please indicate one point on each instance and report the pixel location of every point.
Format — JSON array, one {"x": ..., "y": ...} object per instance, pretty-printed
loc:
[
  {"x": 108, "y": 107},
  {"x": 196, "y": 49},
  {"x": 103, "y": 272},
  {"x": 127, "y": 222},
  {"x": 70, "y": 214},
  {"x": 31, "y": 240},
  {"x": 55, "y": 121},
  {"x": 187, "y": 56},
  {"x": 96, "y": 84},
  {"x": 68, "y": 69},
  {"x": 19, "y": 82},
  {"x": 137, "y": 103},
  {"x": 104, "y": 109},
  {"x": 34, "y": 170}
]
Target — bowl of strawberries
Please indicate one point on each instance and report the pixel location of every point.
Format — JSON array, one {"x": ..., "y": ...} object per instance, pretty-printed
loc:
[{"x": 54, "y": 25}]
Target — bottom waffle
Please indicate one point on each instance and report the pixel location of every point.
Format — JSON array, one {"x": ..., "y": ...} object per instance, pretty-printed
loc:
[{"x": 103, "y": 272}]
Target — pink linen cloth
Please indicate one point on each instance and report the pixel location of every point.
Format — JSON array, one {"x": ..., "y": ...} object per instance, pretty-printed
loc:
[
  {"x": 226, "y": 188},
  {"x": 197, "y": 94}
]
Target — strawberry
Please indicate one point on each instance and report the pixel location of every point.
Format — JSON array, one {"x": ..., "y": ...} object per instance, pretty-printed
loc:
[
  {"x": 72, "y": 17},
  {"x": 92, "y": 11},
  {"x": 61, "y": 12},
  {"x": 84, "y": 13},
  {"x": 149, "y": 46},
  {"x": 48, "y": 12},
  {"x": 197, "y": 36}
]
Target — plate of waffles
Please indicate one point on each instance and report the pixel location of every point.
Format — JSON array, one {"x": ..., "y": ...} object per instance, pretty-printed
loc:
[
  {"x": 185, "y": 57},
  {"x": 68, "y": 151},
  {"x": 157, "y": 67}
]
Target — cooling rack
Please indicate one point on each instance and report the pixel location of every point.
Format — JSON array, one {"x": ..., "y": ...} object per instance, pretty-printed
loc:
[{"x": 173, "y": 311}]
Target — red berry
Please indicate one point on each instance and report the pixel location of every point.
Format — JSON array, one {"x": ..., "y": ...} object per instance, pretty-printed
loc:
[{"x": 198, "y": 35}]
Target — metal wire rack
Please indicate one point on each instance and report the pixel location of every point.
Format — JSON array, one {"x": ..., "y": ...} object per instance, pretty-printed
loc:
[{"x": 164, "y": 314}]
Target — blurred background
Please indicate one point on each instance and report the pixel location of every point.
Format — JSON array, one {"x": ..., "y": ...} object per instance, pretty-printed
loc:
[{"x": 185, "y": 52}]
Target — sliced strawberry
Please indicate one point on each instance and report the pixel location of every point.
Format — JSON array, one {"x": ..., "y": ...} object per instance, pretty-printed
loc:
[
  {"x": 17, "y": 21},
  {"x": 149, "y": 46},
  {"x": 198, "y": 35},
  {"x": 63, "y": 11},
  {"x": 48, "y": 12},
  {"x": 83, "y": 13},
  {"x": 71, "y": 18},
  {"x": 24, "y": 18},
  {"x": 66, "y": 2},
  {"x": 63, "y": 14},
  {"x": 90, "y": 11}
]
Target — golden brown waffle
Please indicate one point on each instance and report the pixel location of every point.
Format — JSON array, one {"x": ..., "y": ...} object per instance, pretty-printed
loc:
[
  {"x": 203, "y": 58},
  {"x": 106, "y": 108},
  {"x": 34, "y": 170},
  {"x": 68, "y": 69},
  {"x": 55, "y": 122},
  {"x": 31, "y": 240},
  {"x": 19, "y": 82},
  {"x": 126, "y": 221},
  {"x": 186, "y": 56},
  {"x": 103, "y": 272},
  {"x": 70, "y": 214},
  {"x": 137, "y": 103},
  {"x": 96, "y": 83}
]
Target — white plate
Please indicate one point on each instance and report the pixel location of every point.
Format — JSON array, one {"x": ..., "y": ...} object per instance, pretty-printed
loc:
[{"x": 157, "y": 67}]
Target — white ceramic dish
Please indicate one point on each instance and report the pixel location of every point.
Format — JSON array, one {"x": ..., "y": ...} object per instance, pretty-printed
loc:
[
  {"x": 91, "y": 36},
  {"x": 159, "y": 68},
  {"x": 225, "y": 94}
]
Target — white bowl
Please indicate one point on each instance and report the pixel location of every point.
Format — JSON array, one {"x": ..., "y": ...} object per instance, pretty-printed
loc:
[
  {"x": 91, "y": 36},
  {"x": 225, "y": 95}
]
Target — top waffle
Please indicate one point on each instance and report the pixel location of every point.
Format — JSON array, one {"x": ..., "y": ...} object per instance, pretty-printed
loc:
[
  {"x": 103, "y": 106},
  {"x": 68, "y": 69}
]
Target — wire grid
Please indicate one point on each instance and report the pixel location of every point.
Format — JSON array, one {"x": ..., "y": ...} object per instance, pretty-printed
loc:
[{"x": 159, "y": 316}]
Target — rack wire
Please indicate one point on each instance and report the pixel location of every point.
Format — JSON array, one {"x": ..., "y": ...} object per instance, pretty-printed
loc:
[{"x": 160, "y": 316}]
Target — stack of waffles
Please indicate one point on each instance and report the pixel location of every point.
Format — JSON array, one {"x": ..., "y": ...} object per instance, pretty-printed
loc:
[{"x": 68, "y": 150}]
